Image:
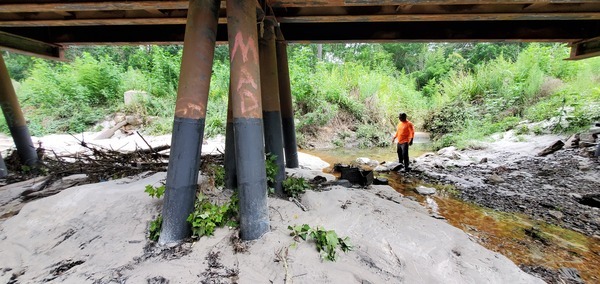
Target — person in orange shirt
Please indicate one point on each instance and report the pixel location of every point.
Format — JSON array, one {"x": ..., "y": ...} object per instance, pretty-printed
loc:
[{"x": 405, "y": 133}]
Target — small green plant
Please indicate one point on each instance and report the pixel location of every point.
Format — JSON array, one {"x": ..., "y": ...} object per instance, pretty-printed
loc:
[
  {"x": 217, "y": 172},
  {"x": 327, "y": 241},
  {"x": 154, "y": 230},
  {"x": 522, "y": 130},
  {"x": 294, "y": 186},
  {"x": 272, "y": 170},
  {"x": 155, "y": 191},
  {"x": 208, "y": 216}
]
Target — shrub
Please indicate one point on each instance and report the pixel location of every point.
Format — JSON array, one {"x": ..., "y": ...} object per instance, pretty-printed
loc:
[
  {"x": 208, "y": 216},
  {"x": 294, "y": 186}
]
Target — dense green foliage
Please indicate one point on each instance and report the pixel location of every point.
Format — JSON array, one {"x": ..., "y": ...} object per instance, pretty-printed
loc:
[
  {"x": 458, "y": 92},
  {"x": 294, "y": 186},
  {"x": 208, "y": 216}
]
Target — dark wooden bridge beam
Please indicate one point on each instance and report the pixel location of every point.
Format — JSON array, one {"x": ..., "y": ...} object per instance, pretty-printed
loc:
[
  {"x": 541, "y": 31},
  {"x": 585, "y": 49},
  {"x": 29, "y": 46}
]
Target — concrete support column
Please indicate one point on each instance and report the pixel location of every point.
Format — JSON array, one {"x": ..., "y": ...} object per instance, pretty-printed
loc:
[
  {"x": 287, "y": 110},
  {"x": 15, "y": 119},
  {"x": 190, "y": 114},
  {"x": 247, "y": 118},
  {"x": 230, "y": 170},
  {"x": 270, "y": 101}
]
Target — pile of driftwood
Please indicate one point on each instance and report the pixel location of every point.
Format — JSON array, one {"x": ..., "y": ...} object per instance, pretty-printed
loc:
[
  {"x": 98, "y": 163},
  {"x": 58, "y": 171}
]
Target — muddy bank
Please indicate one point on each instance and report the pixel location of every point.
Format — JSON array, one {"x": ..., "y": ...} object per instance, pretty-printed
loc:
[{"x": 508, "y": 175}]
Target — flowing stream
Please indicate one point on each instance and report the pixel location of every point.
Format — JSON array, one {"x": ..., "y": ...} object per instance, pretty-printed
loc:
[{"x": 525, "y": 241}]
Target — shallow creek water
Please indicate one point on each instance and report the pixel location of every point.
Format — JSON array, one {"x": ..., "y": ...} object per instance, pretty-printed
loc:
[{"x": 518, "y": 237}]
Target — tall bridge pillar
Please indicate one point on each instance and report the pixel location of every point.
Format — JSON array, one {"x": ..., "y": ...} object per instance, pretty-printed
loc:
[
  {"x": 230, "y": 170},
  {"x": 270, "y": 101},
  {"x": 287, "y": 110},
  {"x": 247, "y": 119},
  {"x": 15, "y": 119},
  {"x": 190, "y": 114}
]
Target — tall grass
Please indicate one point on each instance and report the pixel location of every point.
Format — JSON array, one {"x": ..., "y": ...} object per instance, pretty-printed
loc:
[{"x": 364, "y": 86}]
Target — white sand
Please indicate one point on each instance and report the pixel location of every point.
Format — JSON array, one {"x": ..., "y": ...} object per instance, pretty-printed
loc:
[{"x": 105, "y": 226}]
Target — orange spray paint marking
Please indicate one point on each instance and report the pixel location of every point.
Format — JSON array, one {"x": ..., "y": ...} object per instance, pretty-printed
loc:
[
  {"x": 249, "y": 103},
  {"x": 245, "y": 47},
  {"x": 249, "y": 100},
  {"x": 246, "y": 78},
  {"x": 191, "y": 109}
]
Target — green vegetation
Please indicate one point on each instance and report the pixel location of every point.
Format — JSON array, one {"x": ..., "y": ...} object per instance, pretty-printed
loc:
[
  {"x": 155, "y": 191},
  {"x": 327, "y": 241},
  {"x": 272, "y": 170},
  {"x": 155, "y": 227},
  {"x": 208, "y": 216},
  {"x": 156, "y": 224},
  {"x": 294, "y": 186},
  {"x": 458, "y": 92}
]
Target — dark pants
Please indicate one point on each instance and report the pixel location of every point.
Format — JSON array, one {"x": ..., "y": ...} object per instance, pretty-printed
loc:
[{"x": 402, "y": 150}]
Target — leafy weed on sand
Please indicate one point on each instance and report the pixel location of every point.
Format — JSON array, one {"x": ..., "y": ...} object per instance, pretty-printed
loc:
[{"x": 327, "y": 241}]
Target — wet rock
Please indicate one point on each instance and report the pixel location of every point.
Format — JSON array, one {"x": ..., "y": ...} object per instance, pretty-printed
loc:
[
  {"x": 423, "y": 190},
  {"x": 585, "y": 165},
  {"x": 357, "y": 176},
  {"x": 367, "y": 161},
  {"x": 133, "y": 120},
  {"x": 552, "y": 148},
  {"x": 495, "y": 179},
  {"x": 451, "y": 153},
  {"x": 556, "y": 214},
  {"x": 573, "y": 141},
  {"x": 340, "y": 182},
  {"x": 587, "y": 138},
  {"x": 380, "y": 168},
  {"x": 592, "y": 200},
  {"x": 570, "y": 274},
  {"x": 483, "y": 160}
]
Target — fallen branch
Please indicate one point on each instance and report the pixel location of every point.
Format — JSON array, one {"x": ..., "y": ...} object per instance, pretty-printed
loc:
[{"x": 298, "y": 203}]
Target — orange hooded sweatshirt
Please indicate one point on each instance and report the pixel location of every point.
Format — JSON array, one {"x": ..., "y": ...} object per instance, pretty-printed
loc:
[{"x": 405, "y": 131}]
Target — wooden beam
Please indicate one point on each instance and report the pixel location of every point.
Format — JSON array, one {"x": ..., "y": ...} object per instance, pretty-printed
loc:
[
  {"x": 312, "y": 19},
  {"x": 331, "y": 3},
  {"x": 98, "y": 22},
  {"x": 488, "y": 31},
  {"x": 441, "y": 17},
  {"x": 535, "y": 6},
  {"x": 94, "y": 6},
  {"x": 585, "y": 49},
  {"x": 29, "y": 46}
]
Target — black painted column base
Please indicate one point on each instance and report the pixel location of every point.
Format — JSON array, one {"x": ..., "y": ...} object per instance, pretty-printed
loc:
[
  {"x": 182, "y": 179},
  {"x": 289, "y": 136},
  {"x": 25, "y": 149},
  {"x": 230, "y": 168},
  {"x": 251, "y": 176},
  {"x": 274, "y": 145}
]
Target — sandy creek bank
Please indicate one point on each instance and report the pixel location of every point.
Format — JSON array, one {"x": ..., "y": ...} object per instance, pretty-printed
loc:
[{"x": 97, "y": 233}]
